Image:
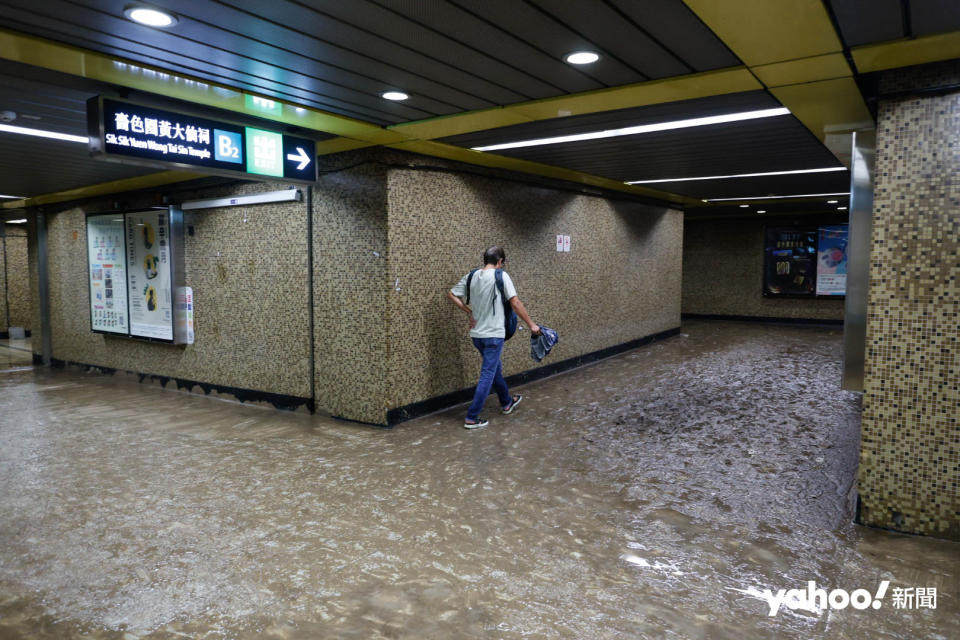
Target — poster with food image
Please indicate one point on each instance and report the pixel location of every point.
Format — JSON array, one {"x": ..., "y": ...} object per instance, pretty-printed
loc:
[
  {"x": 149, "y": 274},
  {"x": 832, "y": 260},
  {"x": 107, "y": 273}
]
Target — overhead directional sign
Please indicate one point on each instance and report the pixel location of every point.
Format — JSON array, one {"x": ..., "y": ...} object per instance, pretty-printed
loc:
[{"x": 122, "y": 131}]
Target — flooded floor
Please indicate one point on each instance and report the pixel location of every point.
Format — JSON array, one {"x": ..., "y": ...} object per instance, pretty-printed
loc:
[{"x": 656, "y": 494}]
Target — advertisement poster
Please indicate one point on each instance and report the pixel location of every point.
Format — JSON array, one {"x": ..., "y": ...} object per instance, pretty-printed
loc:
[
  {"x": 108, "y": 276},
  {"x": 790, "y": 262},
  {"x": 149, "y": 275},
  {"x": 832, "y": 261}
]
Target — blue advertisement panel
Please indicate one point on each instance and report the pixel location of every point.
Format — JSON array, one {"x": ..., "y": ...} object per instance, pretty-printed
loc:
[{"x": 832, "y": 260}]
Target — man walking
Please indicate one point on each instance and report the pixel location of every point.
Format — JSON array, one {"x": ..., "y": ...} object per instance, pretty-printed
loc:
[{"x": 487, "y": 330}]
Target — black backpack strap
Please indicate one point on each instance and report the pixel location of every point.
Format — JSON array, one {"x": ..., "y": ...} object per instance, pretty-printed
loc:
[
  {"x": 469, "y": 278},
  {"x": 503, "y": 297}
]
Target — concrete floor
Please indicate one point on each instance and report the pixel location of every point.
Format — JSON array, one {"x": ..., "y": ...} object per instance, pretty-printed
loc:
[{"x": 655, "y": 494}]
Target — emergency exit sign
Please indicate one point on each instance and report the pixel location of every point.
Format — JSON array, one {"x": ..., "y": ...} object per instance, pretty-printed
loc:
[{"x": 122, "y": 131}]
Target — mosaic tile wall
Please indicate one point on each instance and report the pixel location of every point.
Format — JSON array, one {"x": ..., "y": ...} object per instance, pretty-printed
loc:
[
  {"x": 350, "y": 288},
  {"x": 910, "y": 452},
  {"x": 723, "y": 274},
  {"x": 16, "y": 298},
  {"x": 3, "y": 282},
  {"x": 247, "y": 267},
  {"x": 620, "y": 281}
]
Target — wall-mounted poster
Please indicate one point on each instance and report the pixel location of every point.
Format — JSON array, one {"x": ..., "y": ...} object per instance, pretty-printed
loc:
[
  {"x": 790, "y": 262},
  {"x": 832, "y": 261},
  {"x": 149, "y": 274},
  {"x": 106, "y": 260}
]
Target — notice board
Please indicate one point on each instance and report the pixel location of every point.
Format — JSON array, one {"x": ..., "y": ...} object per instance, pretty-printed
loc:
[{"x": 135, "y": 269}]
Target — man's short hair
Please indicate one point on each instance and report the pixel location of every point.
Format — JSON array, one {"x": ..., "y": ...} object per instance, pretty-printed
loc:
[{"x": 493, "y": 255}]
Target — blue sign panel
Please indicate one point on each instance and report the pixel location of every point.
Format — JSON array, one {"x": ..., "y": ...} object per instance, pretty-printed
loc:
[{"x": 145, "y": 135}]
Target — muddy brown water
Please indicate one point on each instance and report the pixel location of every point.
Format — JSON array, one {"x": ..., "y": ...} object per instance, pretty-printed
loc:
[{"x": 653, "y": 495}]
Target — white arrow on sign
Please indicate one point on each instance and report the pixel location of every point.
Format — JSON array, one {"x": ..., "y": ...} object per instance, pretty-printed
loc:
[{"x": 300, "y": 156}]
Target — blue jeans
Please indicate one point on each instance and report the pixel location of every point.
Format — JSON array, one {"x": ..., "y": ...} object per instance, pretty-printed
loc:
[{"x": 491, "y": 375}]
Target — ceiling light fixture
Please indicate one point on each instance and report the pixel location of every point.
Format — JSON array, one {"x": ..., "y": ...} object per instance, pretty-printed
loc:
[
  {"x": 799, "y": 195},
  {"x": 13, "y": 197},
  {"x": 832, "y": 201},
  {"x": 43, "y": 134},
  {"x": 741, "y": 175},
  {"x": 645, "y": 128},
  {"x": 744, "y": 206},
  {"x": 20, "y": 221},
  {"x": 841, "y": 208},
  {"x": 150, "y": 16},
  {"x": 761, "y": 211},
  {"x": 581, "y": 57},
  {"x": 396, "y": 96}
]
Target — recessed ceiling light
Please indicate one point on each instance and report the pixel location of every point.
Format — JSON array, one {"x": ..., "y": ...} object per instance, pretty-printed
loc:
[
  {"x": 396, "y": 96},
  {"x": 43, "y": 134},
  {"x": 799, "y": 195},
  {"x": 741, "y": 175},
  {"x": 832, "y": 201},
  {"x": 761, "y": 211},
  {"x": 744, "y": 206},
  {"x": 150, "y": 16},
  {"x": 582, "y": 57},
  {"x": 13, "y": 197},
  {"x": 841, "y": 208},
  {"x": 20, "y": 221},
  {"x": 645, "y": 128}
]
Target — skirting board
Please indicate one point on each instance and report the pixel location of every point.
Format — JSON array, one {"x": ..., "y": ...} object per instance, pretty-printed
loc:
[
  {"x": 438, "y": 403},
  {"x": 767, "y": 319}
]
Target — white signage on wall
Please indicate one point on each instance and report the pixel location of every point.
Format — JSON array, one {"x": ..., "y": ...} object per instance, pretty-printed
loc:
[
  {"x": 184, "y": 315},
  {"x": 566, "y": 244},
  {"x": 108, "y": 276},
  {"x": 559, "y": 243},
  {"x": 148, "y": 275}
]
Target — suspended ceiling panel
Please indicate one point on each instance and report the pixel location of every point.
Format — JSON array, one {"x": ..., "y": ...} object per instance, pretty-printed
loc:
[
  {"x": 450, "y": 55},
  {"x": 779, "y": 143},
  {"x": 870, "y": 21}
]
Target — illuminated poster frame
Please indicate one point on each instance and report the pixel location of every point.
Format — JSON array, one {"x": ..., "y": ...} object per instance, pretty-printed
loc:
[
  {"x": 153, "y": 275},
  {"x": 107, "y": 274},
  {"x": 797, "y": 259}
]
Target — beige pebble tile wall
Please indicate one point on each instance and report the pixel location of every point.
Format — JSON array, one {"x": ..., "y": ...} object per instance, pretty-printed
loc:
[
  {"x": 248, "y": 269},
  {"x": 350, "y": 286},
  {"x": 619, "y": 282},
  {"x": 723, "y": 274},
  {"x": 16, "y": 298},
  {"x": 910, "y": 454}
]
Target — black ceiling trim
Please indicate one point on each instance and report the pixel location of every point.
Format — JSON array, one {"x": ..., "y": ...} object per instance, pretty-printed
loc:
[
  {"x": 384, "y": 62},
  {"x": 906, "y": 18},
  {"x": 527, "y": 44},
  {"x": 274, "y": 65},
  {"x": 643, "y": 76},
  {"x": 168, "y": 66},
  {"x": 653, "y": 39},
  {"x": 462, "y": 44}
]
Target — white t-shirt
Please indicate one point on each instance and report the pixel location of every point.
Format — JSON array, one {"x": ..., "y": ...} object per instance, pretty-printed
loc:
[{"x": 485, "y": 302}]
